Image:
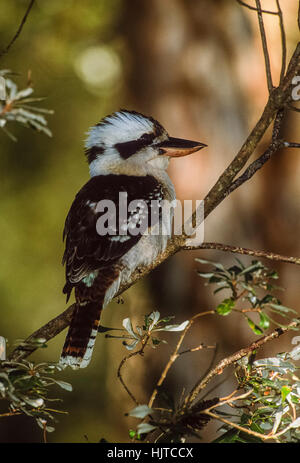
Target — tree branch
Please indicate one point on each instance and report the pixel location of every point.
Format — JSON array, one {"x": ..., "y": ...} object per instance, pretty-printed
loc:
[
  {"x": 292, "y": 145},
  {"x": 59, "y": 323},
  {"x": 275, "y": 146},
  {"x": 255, "y": 9},
  {"x": 175, "y": 355},
  {"x": 219, "y": 368},
  {"x": 279, "y": 98},
  {"x": 265, "y": 45},
  {"x": 283, "y": 41},
  {"x": 6, "y": 49},
  {"x": 246, "y": 252}
]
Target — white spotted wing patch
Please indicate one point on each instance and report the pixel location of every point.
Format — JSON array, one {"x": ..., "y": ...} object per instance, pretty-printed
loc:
[
  {"x": 92, "y": 205},
  {"x": 143, "y": 213},
  {"x": 87, "y": 248},
  {"x": 120, "y": 239},
  {"x": 132, "y": 219}
]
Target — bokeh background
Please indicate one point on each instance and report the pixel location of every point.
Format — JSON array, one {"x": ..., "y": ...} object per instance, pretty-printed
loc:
[{"x": 197, "y": 67}]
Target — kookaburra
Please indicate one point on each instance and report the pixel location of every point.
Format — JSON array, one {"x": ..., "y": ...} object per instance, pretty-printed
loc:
[{"x": 127, "y": 153}]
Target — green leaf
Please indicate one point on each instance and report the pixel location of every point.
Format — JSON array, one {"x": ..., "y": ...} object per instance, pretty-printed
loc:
[
  {"x": 273, "y": 274},
  {"x": 132, "y": 433},
  {"x": 234, "y": 270},
  {"x": 255, "y": 427},
  {"x": 132, "y": 345},
  {"x": 266, "y": 299},
  {"x": 282, "y": 308},
  {"x": 240, "y": 263},
  {"x": 245, "y": 438},
  {"x": 154, "y": 317},
  {"x": 248, "y": 288},
  {"x": 217, "y": 279},
  {"x": 167, "y": 319},
  {"x": 285, "y": 390},
  {"x": 215, "y": 264},
  {"x": 128, "y": 327},
  {"x": 50, "y": 428},
  {"x": 252, "y": 268},
  {"x": 36, "y": 403},
  {"x": 144, "y": 428},
  {"x": 180, "y": 327},
  {"x": 155, "y": 341},
  {"x": 221, "y": 288},
  {"x": 295, "y": 424},
  {"x": 275, "y": 364},
  {"x": 218, "y": 266},
  {"x": 264, "y": 321},
  {"x": 141, "y": 411},
  {"x": 254, "y": 327},
  {"x": 225, "y": 307},
  {"x": 205, "y": 275},
  {"x": 64, "y": 385}
]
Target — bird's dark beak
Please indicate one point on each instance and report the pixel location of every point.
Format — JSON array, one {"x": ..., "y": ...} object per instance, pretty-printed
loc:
[{"x": 177, "y": 147}]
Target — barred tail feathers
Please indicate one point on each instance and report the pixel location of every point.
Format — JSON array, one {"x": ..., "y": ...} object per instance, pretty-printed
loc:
[
  {"x": 91, "y": 297},
  {"x": 81, "y": 337}
]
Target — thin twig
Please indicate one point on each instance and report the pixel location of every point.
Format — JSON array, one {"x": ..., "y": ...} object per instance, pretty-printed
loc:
[
  {"x": 241, "y": 428},
  {"x": 219, "y": 191},
  {"x": 6, "y": 49},
  {"x": 195, "y": 349},
  {"x": 230, "y": 398},
  {"x": 293, "y": 108},
  {"x": 264, "y": 45},
  {"x": 124, "y": 360},
  {"x": 246, "y": 252},
  {"x": 47, "y": 331},
  {"x": 5, "y": 415},
  {"x": 283, "y": 40},
  {"x": 45, "y": 432},
  {"x": 256, "y": 165},
  {"x": 175, "y": 355},
  {"x": 255, "y": 9},
  {"x": 275, "y": 146},
  {"x": 213, "y": 388},
  {"x": 292, "y": 145},
  {"x": 203, "y": 375},
  {"x": 277, "y": 126},
  {"x": 218, "y": 369}
]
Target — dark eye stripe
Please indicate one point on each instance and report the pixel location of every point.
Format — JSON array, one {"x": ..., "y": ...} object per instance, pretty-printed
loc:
[
  {"x": 129, "y": 148},
  {"x": 93, "y": 152}
]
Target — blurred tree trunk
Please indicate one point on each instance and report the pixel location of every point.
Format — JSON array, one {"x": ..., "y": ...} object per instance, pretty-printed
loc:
[
  {"x": 195, "y": 66},
  {"x": 180, "y": 69}
]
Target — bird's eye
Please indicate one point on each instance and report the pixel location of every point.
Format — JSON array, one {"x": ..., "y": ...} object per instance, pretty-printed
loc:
[{"x": 147, "y": 138}]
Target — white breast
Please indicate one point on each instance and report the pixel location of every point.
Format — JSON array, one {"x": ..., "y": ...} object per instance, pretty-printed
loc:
[{"x": 147, "y": 248}]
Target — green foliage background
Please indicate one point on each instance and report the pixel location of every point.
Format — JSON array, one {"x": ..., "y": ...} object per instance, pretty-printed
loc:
[{"x": 40, "y": 177}]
